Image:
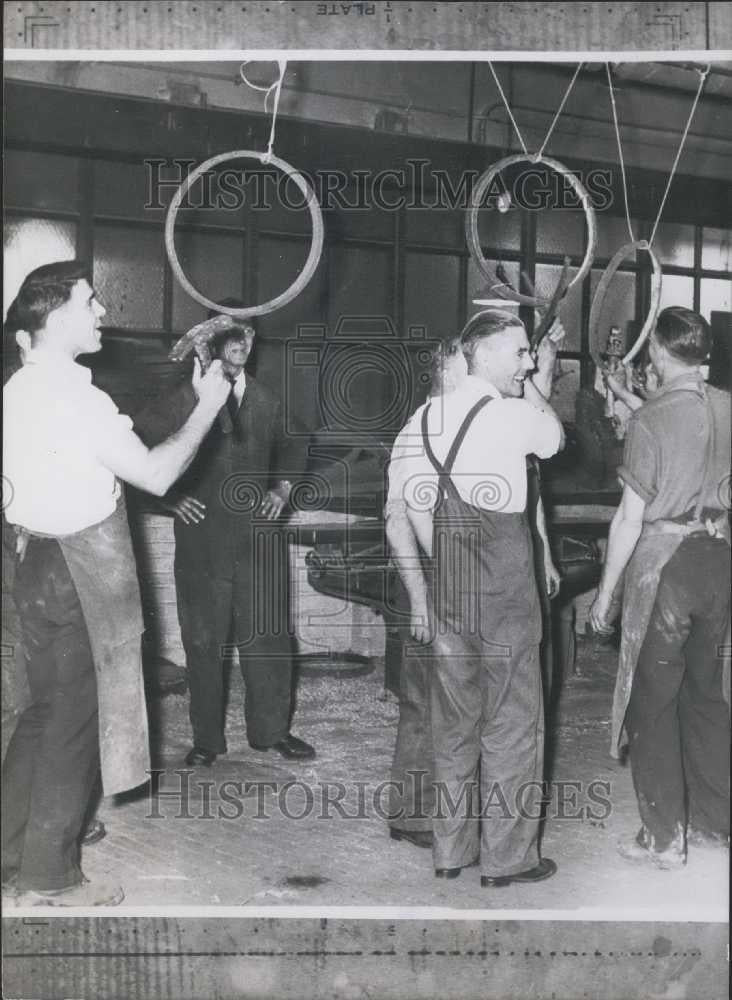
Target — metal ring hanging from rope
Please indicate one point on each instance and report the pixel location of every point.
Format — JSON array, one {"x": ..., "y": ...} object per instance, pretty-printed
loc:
[
  {"x": 601, "y": 291},
  {"x": 316, "y": 246},
  {"x": 471, "y": 225}
]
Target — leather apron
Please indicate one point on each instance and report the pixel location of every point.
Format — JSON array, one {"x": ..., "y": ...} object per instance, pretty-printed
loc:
[
  {"x": 102, "y": 565},
  {"x": 658, "y": 542}
]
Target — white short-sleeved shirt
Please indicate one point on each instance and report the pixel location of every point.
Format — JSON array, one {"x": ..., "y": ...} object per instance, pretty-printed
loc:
[
  {"x": 490, "y": 468},
  {"x": 56, "y": 424}
]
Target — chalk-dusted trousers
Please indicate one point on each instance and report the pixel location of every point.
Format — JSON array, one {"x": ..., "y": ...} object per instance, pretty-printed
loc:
[{"x": 678, "y": 721}]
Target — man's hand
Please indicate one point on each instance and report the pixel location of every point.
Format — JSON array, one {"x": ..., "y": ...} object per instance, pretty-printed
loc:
[
  {"x": 552, "y": 577},
  {"x": 187, "y": 508},
  {"x": 274, "y": 501},
  {"x": 546, "y": 356},
  {"x": 602, "y": 614},
  {"x": 212, "y": 389},
  {"x": 419, "y": 624}
]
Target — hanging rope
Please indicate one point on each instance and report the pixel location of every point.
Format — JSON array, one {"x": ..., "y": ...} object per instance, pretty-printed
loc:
[
  {"x": 620, "y": 154},
  {"x": 560, "y": 109},
  {"x": 538, "y": 155},
  {"x": 702, "y": 78},
  {"x": 508, "y": 109},
  {"x": 276, "y": 89}
]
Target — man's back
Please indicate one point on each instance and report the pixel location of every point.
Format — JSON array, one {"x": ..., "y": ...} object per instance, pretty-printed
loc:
[{"x": 666, "y": 449}]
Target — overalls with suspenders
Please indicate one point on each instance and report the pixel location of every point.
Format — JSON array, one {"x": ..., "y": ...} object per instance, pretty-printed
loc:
[{"x": 486, "y": 689}]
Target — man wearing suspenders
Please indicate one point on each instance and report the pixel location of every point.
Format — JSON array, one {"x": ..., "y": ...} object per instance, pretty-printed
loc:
[{"x": 486, "y": 689}]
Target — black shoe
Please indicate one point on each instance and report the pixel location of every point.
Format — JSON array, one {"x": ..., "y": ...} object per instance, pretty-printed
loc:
[
  {"x": 545, "y": 869},
  {"x": 453, "y": 872},
  {"x": 198, "y": 757},
  {"x": 95, "y": 832},
  {"x": 420, "y": 838},
  {"x": 290, "y": 747}
]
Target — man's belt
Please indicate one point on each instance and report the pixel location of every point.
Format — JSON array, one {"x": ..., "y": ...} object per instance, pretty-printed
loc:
[
  {"x": 716, "y": 525},
  {"x": 23, "y": 536}
]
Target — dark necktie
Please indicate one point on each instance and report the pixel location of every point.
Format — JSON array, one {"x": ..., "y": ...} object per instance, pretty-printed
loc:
[{"x": 229, "y": 416}]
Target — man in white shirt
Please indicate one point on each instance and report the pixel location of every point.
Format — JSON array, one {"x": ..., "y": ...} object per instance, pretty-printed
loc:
[
  {"x": 486, "y": 695},
  {"x": 66, "y": 446},
  {"x": 412, "y": 795}
]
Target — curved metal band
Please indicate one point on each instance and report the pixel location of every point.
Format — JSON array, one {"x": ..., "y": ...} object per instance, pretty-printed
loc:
[
  {"x": 598, "y": 299},
  {"x": 316, "y": 246},
  {"x": 471, "y": 224}
]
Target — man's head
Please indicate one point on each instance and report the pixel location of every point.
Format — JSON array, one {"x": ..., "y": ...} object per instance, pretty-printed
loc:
[
  {"x": 448, "y": 366},
  {"x": 56, "y": 308},
  {"x": 497, "y": 350},
  {"x": 234, "y": 346},
  {"x": 681, "y": 338}
]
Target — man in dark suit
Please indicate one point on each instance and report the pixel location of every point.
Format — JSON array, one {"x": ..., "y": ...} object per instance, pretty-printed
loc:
[{"x": 231, "y": 560}]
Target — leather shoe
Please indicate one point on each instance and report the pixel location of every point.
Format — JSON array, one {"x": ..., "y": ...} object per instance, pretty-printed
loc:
[
  {"x": 198, "y": 757},
  {"x": 545, "y": 869},
  {"x": 291, "y": 747},
  {"x": 420, "y": 838},
  {"x": 453, "y": 872},
  {"x": 95, "y": 832}
]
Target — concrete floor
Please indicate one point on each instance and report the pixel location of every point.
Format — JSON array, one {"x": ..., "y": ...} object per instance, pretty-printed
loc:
[{"x": 224, "y": 848}]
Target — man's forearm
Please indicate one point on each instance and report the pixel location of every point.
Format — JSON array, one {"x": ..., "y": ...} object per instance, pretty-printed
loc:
[
  {"x": 405, "y": 553},
  {"x": 622, "y": 540},
  {"x": 169, "y": 460},
  {"x": 537, "y": 399},
  {"x": 542, "y": 380}
]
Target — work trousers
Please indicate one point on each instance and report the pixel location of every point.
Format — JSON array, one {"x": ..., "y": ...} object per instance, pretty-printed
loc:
[
  {"x": 488, "y": 719},
  {"x": 52, "y": 763},
  {"x": 411, "y": 794},
  {"x": 215, "y": 616},
  {"x": 678, "y": 721}
]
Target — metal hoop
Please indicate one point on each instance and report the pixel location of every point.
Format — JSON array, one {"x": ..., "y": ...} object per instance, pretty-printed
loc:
[
  {"x": 598, "y": 299},
  {"x": 316, "y": 246},
  {"x": 471, "y": 223}
]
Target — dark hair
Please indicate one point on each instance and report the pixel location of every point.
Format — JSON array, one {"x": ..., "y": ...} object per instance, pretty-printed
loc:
[
  {"x": 232, "y": 303},
  {"x": 485, "y": 324},
  {"x": 42, "y": 291},
  {"x": 685, "y": 334}
]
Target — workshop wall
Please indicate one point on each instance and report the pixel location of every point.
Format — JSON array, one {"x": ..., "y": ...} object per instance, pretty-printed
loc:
[{"x": 77, "y": 181}]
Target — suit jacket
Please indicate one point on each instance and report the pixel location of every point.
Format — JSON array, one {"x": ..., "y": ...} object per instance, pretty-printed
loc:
[{"x": 230, "y": 474}]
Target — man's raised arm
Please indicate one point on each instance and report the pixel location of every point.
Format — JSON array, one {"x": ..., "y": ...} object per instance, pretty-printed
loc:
[{"x": 156, "y": 469}]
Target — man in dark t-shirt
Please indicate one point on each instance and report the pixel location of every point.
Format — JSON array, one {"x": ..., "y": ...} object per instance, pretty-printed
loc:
[{"x": 671, "y": 531}]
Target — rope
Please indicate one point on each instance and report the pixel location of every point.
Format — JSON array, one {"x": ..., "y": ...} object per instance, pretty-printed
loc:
[
  {"x": 620, "y": 153},
  {"x": 537, "y": 156},
  {"x": 702, "y": 78},
  {"x": 703, "y": 73},
  {"x": 276, "y": 89},
  {"x": 559, "y": 110},
  {"x": 508, "y": 109}
]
